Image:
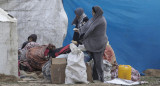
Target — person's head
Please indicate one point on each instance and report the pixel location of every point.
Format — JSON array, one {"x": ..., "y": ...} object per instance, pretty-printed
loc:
[
  {"x": 32, "y": 37},
  {"x": 78, "y": 12},
  {"x": 96, "y": 10}
]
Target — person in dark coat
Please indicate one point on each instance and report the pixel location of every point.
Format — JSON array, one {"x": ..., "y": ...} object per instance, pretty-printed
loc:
[
  {"x": 95, "y": 40},
  {"x": 78, "y": 21},
  {"x": 32, "y": 37}
]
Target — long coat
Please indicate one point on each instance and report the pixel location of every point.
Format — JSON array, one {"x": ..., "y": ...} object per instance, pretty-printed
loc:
[{"x": 95, "y": 38}]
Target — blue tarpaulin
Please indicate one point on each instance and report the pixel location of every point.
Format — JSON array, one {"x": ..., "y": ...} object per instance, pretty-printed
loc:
[{"x": 133, "y": 29}]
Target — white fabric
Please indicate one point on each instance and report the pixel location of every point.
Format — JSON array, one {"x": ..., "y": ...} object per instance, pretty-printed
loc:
[
  {"x": 82, "y": 48},
  {"x": 123, "y": 82},
  {"x": 8, "y": 44},
  {"x": 107, "y": 70},
  {"x": 62, "y": 56},
  {"x": 76, "y": 68},
  {"x": 5, "y": 18},
  {"x": 46, "y": 18}
]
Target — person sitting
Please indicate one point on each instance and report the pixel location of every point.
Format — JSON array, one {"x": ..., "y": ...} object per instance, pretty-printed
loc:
[
  {"x": 27, "y": 45},
  {"x": 36, "y": 57},
  {"x": 32, "y": 37}
]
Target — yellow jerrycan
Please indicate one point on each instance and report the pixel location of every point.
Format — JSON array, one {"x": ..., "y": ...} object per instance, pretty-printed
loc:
[{"x": 124, "y": 72}]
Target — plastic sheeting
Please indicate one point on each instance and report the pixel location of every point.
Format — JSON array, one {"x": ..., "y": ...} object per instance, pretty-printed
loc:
[
  {"x": 124, "y": 82},
  {"x": 8, "y": 44},
  {"x": 133, "y": 29},
  {"x": 46, "y": 18}
]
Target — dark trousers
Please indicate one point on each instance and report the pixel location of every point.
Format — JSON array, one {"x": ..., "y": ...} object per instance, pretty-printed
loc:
[{"x": 98, "y": 66}]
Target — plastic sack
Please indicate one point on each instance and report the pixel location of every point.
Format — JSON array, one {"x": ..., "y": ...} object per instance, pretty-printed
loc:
[
  {"x": 109, "y": 54},
  {"x": 107, "y": 70},
  {"x": 82, "y": 48},
  {"x": 76, "y": 69},
  {"x": 46, "y": 70},
  {"x": 62, "y": 56}
]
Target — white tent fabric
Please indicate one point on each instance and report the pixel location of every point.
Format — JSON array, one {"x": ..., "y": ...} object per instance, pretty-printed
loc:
[
  {"x": 8, "y": 44},
  {"x": 46, "y": 18}
]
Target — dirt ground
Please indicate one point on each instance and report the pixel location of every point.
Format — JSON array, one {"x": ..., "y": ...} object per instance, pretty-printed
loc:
[
  {"x": 153, "y": 81},
  {"x": 8, "y": 78}
]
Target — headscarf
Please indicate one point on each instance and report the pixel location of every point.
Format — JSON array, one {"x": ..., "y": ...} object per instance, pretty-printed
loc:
[
  {"x": 98, "y": 12},
  {"x": 33, "y": 36},
  {"x": 79, "y": 21}
]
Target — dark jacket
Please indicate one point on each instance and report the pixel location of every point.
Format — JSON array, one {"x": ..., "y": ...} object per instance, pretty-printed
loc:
[{"x": 76, "y": 36}]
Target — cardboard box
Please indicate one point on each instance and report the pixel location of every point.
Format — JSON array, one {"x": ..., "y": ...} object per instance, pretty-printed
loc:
[
  {"x": 58, "y": 70},
  {"x": 89, "y": 73}
]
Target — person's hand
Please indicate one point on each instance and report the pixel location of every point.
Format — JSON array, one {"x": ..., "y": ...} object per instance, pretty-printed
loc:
[
  {"x": 74, "y": 42},
  {"x": 76, "y": 30}
]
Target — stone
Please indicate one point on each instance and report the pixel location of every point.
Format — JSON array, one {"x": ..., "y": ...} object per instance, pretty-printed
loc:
[{"x": 152, "y": 72}]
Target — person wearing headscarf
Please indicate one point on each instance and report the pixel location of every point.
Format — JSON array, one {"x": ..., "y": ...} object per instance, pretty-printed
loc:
[
  {"x": 78, "y": 21},
  {"x": 95, "y": 40}
]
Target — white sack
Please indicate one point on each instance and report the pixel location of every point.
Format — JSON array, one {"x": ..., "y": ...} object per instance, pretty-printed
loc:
[
  {"x": 76, "y": 68},
  {"x": 62, "y": 56},
  {"x": 107, "y": 70},
  {"x": 82, "y": 48}
]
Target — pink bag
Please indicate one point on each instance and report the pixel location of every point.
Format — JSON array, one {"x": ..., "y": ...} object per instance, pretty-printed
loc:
[{"x": 109, "y": 55}]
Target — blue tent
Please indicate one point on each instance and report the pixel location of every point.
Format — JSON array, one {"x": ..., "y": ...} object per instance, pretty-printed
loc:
[{"x": 133, "y": 29}]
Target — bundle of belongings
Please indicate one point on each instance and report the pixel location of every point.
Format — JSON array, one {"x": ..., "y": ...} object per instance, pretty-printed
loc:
[
  {"x": 69, "y": 64},
  {"x": 32, "y": 56},
  {"x": 79, "y": 59},
  {"x": 120, "y": 74},
  {"x": 110, "y": 56}
]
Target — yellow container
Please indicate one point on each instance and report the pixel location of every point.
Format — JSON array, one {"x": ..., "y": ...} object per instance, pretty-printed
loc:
[{"x": 124, "y": 72}]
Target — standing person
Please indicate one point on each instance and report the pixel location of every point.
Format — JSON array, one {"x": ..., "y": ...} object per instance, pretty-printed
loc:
[
  {"x": 78, "y": 21},
  {"x": 95, "y": 40}
]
